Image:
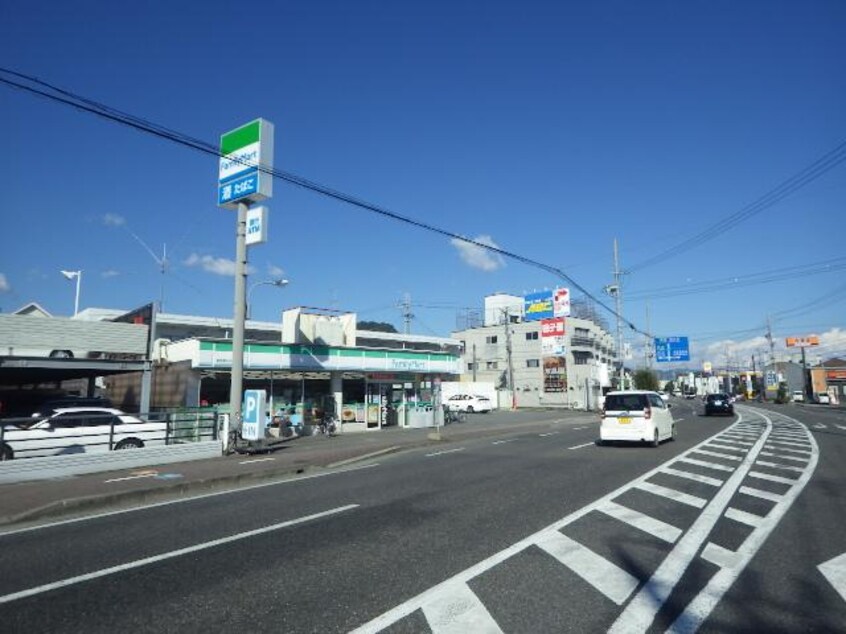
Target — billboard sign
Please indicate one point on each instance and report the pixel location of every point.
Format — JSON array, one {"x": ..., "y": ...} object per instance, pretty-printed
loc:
[
  {"x": 257, "y": 225},
  {"x": 670, "y": 349},
  {"x": 552, "y": 336},
  {"x": 537, "y": 306},
  {"x": 802, "y": 342},
  {"x": 561, "y": 302},
  {"x": 242, "y": 152},
  {"x": 555, "y": 374}
]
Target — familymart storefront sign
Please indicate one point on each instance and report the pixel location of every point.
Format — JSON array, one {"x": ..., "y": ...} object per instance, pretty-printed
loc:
[{"x": 243, "y": 152}]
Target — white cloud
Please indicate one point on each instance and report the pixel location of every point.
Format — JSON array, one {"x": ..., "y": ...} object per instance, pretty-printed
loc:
[
  {"x": 275, "y": 271},
  {"x": 113, "y": 220},
  {"x": 832, "y": 343},
  {"x": 478, "y": 257},
  {"x": 4, "y": 284},
  {"x": 109, "y": 273},
  {"x": 217, "y": 266}
]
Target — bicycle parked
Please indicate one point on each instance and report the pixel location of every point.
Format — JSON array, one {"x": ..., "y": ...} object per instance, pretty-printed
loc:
[{"x": 328, "y": 425}]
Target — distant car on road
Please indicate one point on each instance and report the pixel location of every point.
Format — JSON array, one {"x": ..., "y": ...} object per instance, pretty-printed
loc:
[
  {"x": 718, "y": 404},
  {"x": 73, "y": 430},
  {"x": 822, "y": 398},
  {"x": 636, "y": 416},
  {"x": 469, "y": 403},
  {"x": 798, "y": 396}
]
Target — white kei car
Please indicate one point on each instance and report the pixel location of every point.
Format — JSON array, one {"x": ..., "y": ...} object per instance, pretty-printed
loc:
[
  {"x": 636, "y": 416},
  {"x": 74, "y": 430},
  {"x": 468, "y": 403}
]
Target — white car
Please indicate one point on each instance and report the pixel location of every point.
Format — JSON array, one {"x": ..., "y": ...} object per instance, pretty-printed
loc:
[
  {"x": 468, "y": 403},
  {"x": 822, "y": 398},
  {"x": 73, "y": 430},
  {"x": 798, "y": 396},
  {"x": 636, "y": 416}
]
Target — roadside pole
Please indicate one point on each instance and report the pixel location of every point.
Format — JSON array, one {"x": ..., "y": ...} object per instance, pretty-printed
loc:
[{"x": 239, "y": 312}]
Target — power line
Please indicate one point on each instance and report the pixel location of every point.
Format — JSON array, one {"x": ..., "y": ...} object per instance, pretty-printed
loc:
[
  {"x": 799, "y": 180},
  {"x": 143, "y": 125}
]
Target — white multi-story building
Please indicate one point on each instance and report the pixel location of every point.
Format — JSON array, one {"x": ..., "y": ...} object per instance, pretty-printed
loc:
[{"x": 508, "y": 346}]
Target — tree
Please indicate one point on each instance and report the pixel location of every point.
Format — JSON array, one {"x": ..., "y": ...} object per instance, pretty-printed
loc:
[
  {"x": 645, "y": 380},
  {"x": 670, "y": 387},
  {"x": 377, "y": 326}
]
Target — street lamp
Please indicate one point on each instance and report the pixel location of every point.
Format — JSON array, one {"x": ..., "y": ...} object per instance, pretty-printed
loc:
[
  {"x": 71, "y": 275},
  {"x": 278, "y": 283}
]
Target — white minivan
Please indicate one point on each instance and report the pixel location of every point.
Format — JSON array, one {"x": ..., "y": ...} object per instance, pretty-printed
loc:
[{"x": 636, "y": 416}]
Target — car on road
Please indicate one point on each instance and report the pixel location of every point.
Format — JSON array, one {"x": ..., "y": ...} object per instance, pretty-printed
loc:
[
  {"x": 469, "y": 403},
  {"x": 798, "y": 396},
  {"x": 822, "y": 398},
  {"x": 636, "y": 416},
  {"x": 75, "y": 430},
  {"x": 718, "y": 404}
]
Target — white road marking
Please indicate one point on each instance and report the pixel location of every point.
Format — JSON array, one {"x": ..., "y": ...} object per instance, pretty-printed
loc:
[
  {"x": 772, "y": 478},
  {"x": 744, "y": 517},
  {"x": 643, "y": 522},
  {"x": 840, "y": 426},
  {"x": 672, "y": 494},
  {"x": 783, "y": 457},
  {"x": 719, "y": 556},
  {"x": 551, "y": 433},
  {"x": 758, "y": 493},
  {"x": 702, "y": 605},
  {"x": 169, "y": 555},
  {"x": 255, "y": 460},
  {"x": 193, "y": 498},
  {"x": 612, "y": 581},
  {"x": 587, "y": 444},
  {"x": 693, "y": 476},
  {"x": 834, "y": 570},
  {"x": 782, "y": 445},
  {"x": 134, "y": 477},
  {"x": 502, "y": 442},
  {"x": 820, "y": 426},
  {"x": 803, "y": 452},
  {"x": 445, "y": 451},
  {"x": 457, "y": 609},
  {"x": 724, "y": 447},
  {"x": 776, "y": 465},
  {"x": 715, "y": 454},
  {"x": 707, "y": 465},
  {"x": 641, "y": 610},
  {"x": 580, "y": 428}
]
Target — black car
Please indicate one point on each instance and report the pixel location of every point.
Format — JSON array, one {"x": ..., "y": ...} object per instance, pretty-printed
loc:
[{"x": 718, "y": 404}]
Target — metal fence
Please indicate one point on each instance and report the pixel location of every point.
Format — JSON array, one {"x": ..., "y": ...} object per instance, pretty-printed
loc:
[{"x": 84, "y": 432}]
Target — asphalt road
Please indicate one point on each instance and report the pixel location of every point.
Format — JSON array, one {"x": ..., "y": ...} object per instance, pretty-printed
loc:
[{"x": 531, "y": 532}]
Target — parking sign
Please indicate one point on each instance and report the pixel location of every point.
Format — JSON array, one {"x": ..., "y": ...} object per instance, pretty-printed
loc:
[{"x": 252, "y": 414}]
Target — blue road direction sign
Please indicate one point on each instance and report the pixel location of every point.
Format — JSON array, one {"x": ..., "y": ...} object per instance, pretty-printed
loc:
[
  {"x": 252, "y": 415},
  {"x": 669, "y": 349}
]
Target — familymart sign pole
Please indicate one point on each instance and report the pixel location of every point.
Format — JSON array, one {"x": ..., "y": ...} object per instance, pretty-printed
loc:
[{"x": 246, "y": 156}]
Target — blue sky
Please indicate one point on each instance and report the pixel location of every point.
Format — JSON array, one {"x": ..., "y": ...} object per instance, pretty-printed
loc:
[{"x": 548, "y": 129}]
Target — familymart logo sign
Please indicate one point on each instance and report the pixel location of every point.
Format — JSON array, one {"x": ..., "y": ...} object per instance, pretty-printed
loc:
[{"x": 243, "y": 151}]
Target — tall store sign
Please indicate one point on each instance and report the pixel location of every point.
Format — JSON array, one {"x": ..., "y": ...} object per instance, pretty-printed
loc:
[
  {"x": 561, "y": 302},
  {"x": 246, "y": 156},
  {"x": 552, "y": 336}
]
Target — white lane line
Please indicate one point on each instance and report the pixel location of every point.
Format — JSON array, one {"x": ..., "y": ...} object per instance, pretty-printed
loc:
[
  {"x": 840, "y": 426},
  {"x": 715, "y": 454},
  {"x": 457, "y": 607},
  {"x": 551, "y": 433},
  {"x": 744, "y": 517},
  {"x": 703, "y": 604},
  {"x": 646, "y": 523},
  {"x": 579, "y": 428},
  {"x": 723, "y": 447},
  {"x": 587, "y": 444},
  {"x": 612, "y": 581},
  {"x": 736, "y": 440},
  {"x": 445, "y": 451},
  {"x": 802, "y": 452},
  {"x": 135, "y": 477},
  {"x": 714, "y": 482},
  {"x": 502, "y": 442},
  {"x": 170, "y": 555},
  {"x": 672, "y": 494},
  {"x": 834, "y": 570},
  {"x": 707, "y": 465},
  {"x": 803, "y": 446},
  {"x": 255, "y": 460},
  {"x": 193, "y": 498},
  {"x": 758, "y": 493},
  {"x": 772, "y": 478}
]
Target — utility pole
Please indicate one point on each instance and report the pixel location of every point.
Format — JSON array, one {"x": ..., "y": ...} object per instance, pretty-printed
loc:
[
  {"x": 510, "y": 364},
  {"x": 407, "y": 315},
  {"x": 615, "y": 289},
  {"x": 649, "y": 340},
  {"x": 240, "y": 311},
  {"x": 475, "y": 363}
]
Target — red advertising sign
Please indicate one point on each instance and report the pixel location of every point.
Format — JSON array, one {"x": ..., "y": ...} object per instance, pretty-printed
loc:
[{"x": 552, "y": 327}]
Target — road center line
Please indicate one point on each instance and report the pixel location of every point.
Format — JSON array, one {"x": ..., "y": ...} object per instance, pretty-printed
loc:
[
  {"x": 587, "y": 444},
  {"x": 502, "y": 442},
  {"x": 552, "y": 433},
  {"x": 445, "y": 451},
  {"x": 255, "y": 460},
  {"x": 164, "y": 556},
  {"x": 135, "y": 477}
]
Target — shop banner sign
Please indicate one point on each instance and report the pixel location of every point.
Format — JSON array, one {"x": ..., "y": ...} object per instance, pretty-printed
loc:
[
  {"x": 537, "y": 306},
  {"x": 561, "y": 302},
  {"x": 552, "y": 336}
]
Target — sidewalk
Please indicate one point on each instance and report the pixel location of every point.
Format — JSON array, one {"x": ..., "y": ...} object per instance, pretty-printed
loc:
[{"x": 28, "y": 501}]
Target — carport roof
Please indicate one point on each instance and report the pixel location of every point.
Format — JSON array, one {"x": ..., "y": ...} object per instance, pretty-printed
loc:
[{"x": 34, "y": 370}]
